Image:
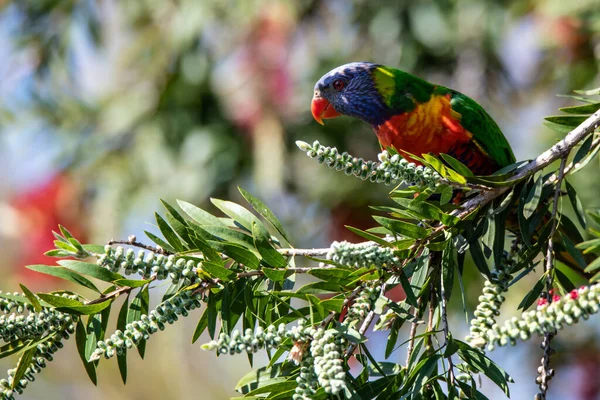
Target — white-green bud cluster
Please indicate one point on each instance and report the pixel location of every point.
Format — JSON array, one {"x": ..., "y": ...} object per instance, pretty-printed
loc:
[
  {"x": 8, "y": 305},
  {"x": 363, "y": 304},
  {"x": 321, "y": 366},
  {"x": 44, "y": 352},
  {"x": 564, "y": 311},
  {"x": 34, "y": 325},
  {"x": 327, "y": 348},
  {"x": 389, "y": 170},
  {"x": 149, "y": 264},
  {"x": 307, "y": 380},
  {"x": 487, "y": 310},
  {"x": 362, "y": 254},
  {"x": 166, "y": 313},
  {"x": 250, "y": 341}
]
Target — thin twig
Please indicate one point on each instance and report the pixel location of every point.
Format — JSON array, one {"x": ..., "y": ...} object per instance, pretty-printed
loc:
[
  {"x": 545, "y": 373},
  {"x": 304, "y": 252},
  {"x": 131, "y": 241},
  {"x": 559, "y": 150},
  {"x": 114, "y": 294},
  {"x": 413, "y": 332}
]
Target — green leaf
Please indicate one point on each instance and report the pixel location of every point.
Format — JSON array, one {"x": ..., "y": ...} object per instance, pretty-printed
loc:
[
  {"x": 23, "y": 364},
  {"x": 169, "y": 234},
  {"x": 139, "y": 306},
  {"x": 166, "y": 246},
  {"x": 263, "y": 377},
  {"x": 32, "y": 298},
  {"x": 557, "y": 127},
  {"x": 73, "y": 306},
  {"x": 591, "y": 92},
  {"x": 477, "y": 360},
  {"x": 533, "y": 198},
  {"x": 201, "y": 327},
  {"x": 567, "y": 120},
  {"x": 199, "y": 215},
  {"x": 479, "y": 259},
  {"x": 534, "y": 294},
  {"x": 80, "y": 340},
  {"x": 121, "y": 324},
  {"x": 96, "y": 329},
  {"x": 19, "y": 345},
  {"x": 457, "y": 165},
  {"x": 64, "y": 273},
  {"x": 576, "y": 203},
  {"x": 369, "y": 236},
  {"x": 593, "y": 266},
  {"x": 275, "y": 275},
  {"x": 238, "y": 213},
  {"x": 238, "y": 253},
  {"x": 177, "y": 222},
  {"x": 448, "y": 266},
  {"x": 403, "y": 228},
  {"x": 263, "y": 210},
  {"x": 428, "y": 211},
  {"x": 229, "y": 235},
  {"x": 132, "y": 283},
  {"x": 262, "y": 242},
  {"x": 90, "y": 269},
  {"x": 218, "y": 271}
]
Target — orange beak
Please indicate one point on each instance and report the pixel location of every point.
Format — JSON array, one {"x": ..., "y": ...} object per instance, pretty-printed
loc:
[{"x": 322, "y": 109}]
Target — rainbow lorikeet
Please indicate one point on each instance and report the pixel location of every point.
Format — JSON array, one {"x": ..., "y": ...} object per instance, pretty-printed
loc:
[
  {"x": 413, "y": 116},
  {"x": 416, "y": 117}
]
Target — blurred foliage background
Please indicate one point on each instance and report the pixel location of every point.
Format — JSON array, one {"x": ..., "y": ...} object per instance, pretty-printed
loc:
[{"x": 107, "y": 106}]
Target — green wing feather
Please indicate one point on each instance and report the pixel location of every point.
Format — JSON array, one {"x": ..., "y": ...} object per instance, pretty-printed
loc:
[
  {"x": 486, "y": 132},
  {"x": 394, "y": 85}
]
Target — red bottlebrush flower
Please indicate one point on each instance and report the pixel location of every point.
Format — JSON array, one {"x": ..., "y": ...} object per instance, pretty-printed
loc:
[
  {"x": 555, "y": 297},
  {"x": 551, "y": 292},
  {"x": 574, "y": 294},
  {"x": 542, "y": 302}
]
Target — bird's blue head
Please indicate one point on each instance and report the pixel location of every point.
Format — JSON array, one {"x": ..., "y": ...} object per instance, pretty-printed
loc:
[{"x": 349, "y": 90}]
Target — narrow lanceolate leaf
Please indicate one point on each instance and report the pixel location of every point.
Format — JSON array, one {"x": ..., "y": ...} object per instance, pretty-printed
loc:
[
  {"x": 32, "y": 298},
  {"x": 201, "y": 327},
  {"x": 19, "y": 345},
  {"x": 238, "y": 213},
  {"x": 262, "y": 242},
  {"x": 68, "y": 305},
  {"x": 218, "y": 271},
  {"x": 567, "y": 120},
  {"x": 457, "y": 165},
  {"x": 166, "y": 246},
  {"x": 169, "y": 233},
  {"x": 24, "y": 363},
  {"x": 121, "y": 323},
  {"x": 80, "y": 339},
  {"x": 64, "y": 273},
  {"x": 534, "y": 294},
  {"x": 177, "y": 222},
  {"x": 585, "y": 109},
  {"x": 139, "y": 306},
  {"x": 428, "y": 211},
  {"x": 533, "y": 198},
  {"x": 199, "y": 215},
  {"x": 403, "y": 228},
  {"x": 478, "y": 361},
  {"x": 90, "y": 269},
  {"x": 237, "y": 253},
  {"x": 576, "y": 203},
  {"x": 448, "y": 266},
  {"x": 263, "y": 210}
]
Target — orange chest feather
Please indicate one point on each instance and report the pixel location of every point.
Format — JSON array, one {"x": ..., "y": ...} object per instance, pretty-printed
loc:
[{"x": 431, "y": 127}]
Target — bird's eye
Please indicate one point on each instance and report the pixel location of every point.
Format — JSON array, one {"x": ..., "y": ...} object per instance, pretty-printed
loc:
[{"x": 338, "y": 84}]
